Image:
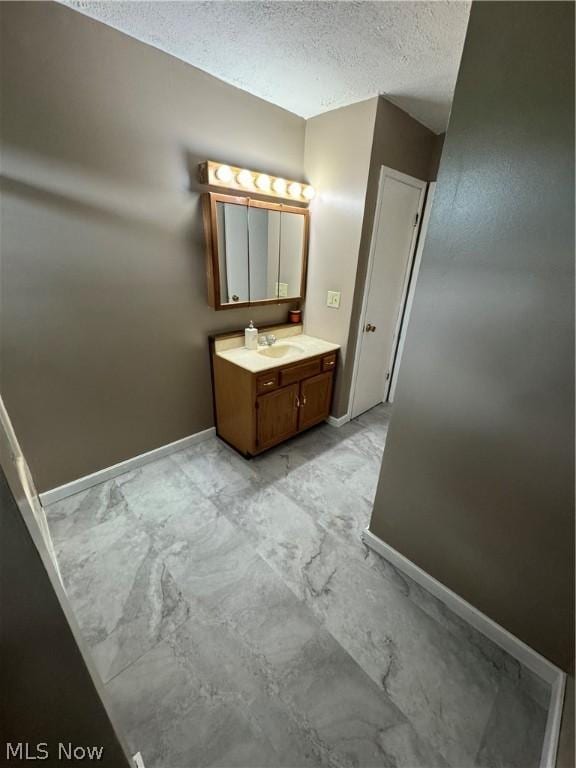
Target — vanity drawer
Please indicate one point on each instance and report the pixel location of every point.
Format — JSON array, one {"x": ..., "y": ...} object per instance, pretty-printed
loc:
[
  {"x": 266, "y": 382},
  {"x": 301, "y": 371},
  {"x": 329, "y": 362}
]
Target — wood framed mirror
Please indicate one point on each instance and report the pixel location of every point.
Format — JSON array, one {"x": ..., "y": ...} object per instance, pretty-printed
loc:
[{"x": 256, "y": 251}]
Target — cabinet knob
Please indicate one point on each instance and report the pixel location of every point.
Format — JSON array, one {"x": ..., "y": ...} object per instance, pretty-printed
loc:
[{"x": 297, "y": 402}]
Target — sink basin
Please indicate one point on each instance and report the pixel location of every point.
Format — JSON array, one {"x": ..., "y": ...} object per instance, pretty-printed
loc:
[{"x": 280, "y": 350}]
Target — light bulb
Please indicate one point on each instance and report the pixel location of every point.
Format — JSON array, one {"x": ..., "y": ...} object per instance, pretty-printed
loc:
[
  {"x": 263, "y": 181},
  {"x": 224, "y": 173},
  {"x": 279, "y": 186},
  {"x": 295, "y": 189},
  {"x": 245, "y": 178},
  {"x": 309, "y": 192}
]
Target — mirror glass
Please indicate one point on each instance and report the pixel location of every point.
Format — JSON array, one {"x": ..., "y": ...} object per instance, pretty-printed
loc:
[
  {"x": 263, "y": 253},
  {"x": 232, "y": 225},
  {"x": 292, "y": 232},
  {"x": 260, "y": 252}
]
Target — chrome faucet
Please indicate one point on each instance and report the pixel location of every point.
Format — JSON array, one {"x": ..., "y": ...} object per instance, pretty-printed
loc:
[{"x": 267, "y": 341}]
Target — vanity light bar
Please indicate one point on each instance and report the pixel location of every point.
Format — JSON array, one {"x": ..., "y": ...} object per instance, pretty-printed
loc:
[{"x": 244, "y": 180}]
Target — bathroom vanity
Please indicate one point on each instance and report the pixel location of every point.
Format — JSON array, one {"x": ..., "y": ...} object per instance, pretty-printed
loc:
[
  {"x": 256, "y": 254},
  {"x": 267, "y": 395}
]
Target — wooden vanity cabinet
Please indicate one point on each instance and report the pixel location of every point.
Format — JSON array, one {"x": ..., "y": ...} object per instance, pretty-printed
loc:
[{"x": 255, "y": 411}]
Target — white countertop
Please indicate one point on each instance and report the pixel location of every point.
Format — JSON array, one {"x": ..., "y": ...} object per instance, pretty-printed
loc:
[{"x": 301, "y": 348}]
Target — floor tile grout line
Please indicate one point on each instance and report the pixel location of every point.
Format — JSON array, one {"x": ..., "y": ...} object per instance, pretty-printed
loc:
[
  {"x": 418, "y": 608},
  {"x": 320, "y": 620},
  {"x": 233, "y": 632},
  {"x": 253, "y": 543}
]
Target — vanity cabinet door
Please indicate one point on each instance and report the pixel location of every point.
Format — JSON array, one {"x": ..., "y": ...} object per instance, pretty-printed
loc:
[
  {"x": 315, "y": 397},
  {"x": 276, "y": 416}
]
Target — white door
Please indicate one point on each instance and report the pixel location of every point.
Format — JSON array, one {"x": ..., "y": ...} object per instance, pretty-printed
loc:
[{"x": 398, "y": 210}]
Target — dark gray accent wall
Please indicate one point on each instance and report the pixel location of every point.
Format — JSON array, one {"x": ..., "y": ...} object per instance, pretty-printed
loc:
[
  {"x": 104, "y": 308},
  {"x": 477, "y": 481},
  {"x": 47, "y": 693}
]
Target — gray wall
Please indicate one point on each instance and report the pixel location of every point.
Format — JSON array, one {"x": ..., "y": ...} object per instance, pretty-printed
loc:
[
  {"x": 402, "y": 143},
  {"x": 104, "y": 312},
  {"x": 337, "y": 163},
  {"x": 477, "y": 480},
  {"x": 436, "y": 156}
]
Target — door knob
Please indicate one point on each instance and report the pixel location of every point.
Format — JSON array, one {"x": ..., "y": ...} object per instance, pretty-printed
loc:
[{"x": 370, "y": 328}]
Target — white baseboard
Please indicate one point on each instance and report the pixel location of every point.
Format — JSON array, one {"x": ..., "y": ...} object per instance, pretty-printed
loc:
[
  {"x": 338, "y": 422},
  {"x": 527, "y": 656},
  {"x": 553, "y": 722},
  {"x": 82, "y": 483}
]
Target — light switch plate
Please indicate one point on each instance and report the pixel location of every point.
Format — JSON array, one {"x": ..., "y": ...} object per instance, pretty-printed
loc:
[
  {"x": 333, "y": 299},
  {"x": 282, "y": 290}
]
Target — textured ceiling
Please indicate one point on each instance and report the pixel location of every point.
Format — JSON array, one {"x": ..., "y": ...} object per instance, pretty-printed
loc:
[{"x": 310, "y": 56}]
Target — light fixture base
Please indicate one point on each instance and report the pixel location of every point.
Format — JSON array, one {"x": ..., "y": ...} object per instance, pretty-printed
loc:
[{"x": 246, "y": 181}]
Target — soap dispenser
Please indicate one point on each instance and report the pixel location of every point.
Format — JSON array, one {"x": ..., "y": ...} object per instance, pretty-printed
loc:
[{"x": 251, "y": 336}]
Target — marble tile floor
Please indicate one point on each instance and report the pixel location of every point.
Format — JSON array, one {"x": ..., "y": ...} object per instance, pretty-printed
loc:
[{"x": 237, "y": 620}]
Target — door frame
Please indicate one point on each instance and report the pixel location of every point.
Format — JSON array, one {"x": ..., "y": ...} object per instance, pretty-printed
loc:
[
  {"x": 385, "y": 171},
  {"x": 411, "y": 288}
]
